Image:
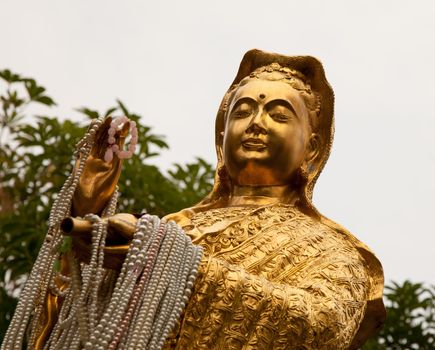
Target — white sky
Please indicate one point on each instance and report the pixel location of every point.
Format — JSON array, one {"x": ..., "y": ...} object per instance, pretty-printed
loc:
[{"x": 172, "y": 62}]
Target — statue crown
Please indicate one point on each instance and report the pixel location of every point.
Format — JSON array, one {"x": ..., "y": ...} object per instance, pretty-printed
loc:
[{"x": 294, "y": 78}]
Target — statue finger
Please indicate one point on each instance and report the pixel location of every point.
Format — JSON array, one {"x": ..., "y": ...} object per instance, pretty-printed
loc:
[
  {"x": 123, "y": 224},
  {"x": 101, "y": 139},
  {"x": 124, "y": 130},
  {"x": 116, "y": 140},
  {"x": 121, "y": 135}
]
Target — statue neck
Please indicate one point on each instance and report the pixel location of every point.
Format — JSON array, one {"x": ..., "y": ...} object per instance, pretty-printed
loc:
[{"x": 262, "y": 195}]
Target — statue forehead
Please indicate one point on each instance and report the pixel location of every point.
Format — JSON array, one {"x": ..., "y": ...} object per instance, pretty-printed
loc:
[{"x": 266, "y": 90}]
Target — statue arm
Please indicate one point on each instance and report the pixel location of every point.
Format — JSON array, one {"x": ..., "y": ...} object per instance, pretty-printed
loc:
[
  {"x": 231, "y": 307},
  {"x": 95, "y": 187}
]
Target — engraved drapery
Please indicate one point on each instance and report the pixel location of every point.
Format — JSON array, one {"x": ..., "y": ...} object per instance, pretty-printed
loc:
[{"x": 272, "y": 278}]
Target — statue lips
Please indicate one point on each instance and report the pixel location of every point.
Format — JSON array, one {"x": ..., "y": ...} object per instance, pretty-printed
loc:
[{"x": 254, "y": 144}]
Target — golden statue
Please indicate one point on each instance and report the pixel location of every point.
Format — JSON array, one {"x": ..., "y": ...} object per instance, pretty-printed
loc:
[{"x": 275, "y": 273}]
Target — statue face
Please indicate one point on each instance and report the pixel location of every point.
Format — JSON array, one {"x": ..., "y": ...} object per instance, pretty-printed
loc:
[{"x": 267, "y": 133}]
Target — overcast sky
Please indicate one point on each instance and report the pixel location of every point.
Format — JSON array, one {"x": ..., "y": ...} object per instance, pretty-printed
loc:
[{"x": 172, "y": 62}]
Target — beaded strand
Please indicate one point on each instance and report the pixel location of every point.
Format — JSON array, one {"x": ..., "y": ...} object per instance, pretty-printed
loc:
[{"x": 103, "y": 309}]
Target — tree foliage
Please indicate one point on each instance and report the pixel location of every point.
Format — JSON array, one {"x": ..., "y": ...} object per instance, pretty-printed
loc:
[
  {"x": 410, "y": 320},
  {"x": 36, "y": 158}
]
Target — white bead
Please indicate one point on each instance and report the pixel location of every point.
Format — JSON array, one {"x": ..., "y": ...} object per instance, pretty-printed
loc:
[
  {"x": 139, "y": 235},
  {"x": 136, "y": 242}
]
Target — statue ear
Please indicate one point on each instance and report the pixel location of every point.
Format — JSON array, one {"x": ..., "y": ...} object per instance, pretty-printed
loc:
[{"x": 313, "y": 150}]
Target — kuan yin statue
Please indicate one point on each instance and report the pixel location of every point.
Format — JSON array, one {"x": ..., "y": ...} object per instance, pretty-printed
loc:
[{"x": 254, "y": 265}]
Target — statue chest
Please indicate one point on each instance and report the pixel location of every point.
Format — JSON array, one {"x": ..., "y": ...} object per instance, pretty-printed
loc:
[{"x": 278, "y": 242}]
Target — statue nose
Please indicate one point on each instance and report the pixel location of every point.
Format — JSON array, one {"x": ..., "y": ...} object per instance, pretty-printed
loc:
[
  {"x": 256, "y": 129},
  {"x": 257, "y": 124}
]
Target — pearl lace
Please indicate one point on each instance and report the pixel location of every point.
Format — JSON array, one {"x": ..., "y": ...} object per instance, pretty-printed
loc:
[{"x": 135, "y": 308}]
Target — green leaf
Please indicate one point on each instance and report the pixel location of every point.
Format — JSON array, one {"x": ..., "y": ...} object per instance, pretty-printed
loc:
[
  {"x": 33, "y": 89},
  {"x": 48, "y": 101},
  {"x": 57, "y": 265},
  {"x": 110, "y": 111},
  {"x": 90, "y": 113},
  {"x": 123, "y": 108},
  {"x": 10, "y": 77},
  {"x": 66, "y": 245}
]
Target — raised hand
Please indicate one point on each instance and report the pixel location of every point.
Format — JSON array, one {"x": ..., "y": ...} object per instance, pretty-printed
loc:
[{"x": 99, "y": 178}]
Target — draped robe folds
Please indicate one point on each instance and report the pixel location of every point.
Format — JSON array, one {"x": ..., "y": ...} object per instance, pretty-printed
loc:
[{"x": 275, "y": 278}]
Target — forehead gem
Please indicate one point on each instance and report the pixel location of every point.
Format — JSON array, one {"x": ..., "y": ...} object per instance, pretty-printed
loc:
[{"x": 262, "y": 96}]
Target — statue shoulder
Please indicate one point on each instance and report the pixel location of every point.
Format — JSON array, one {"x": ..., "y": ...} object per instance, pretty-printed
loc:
[
  {"x": 371, "y": 261},
  {"x": 182, "y": 217},
  {"x": 375, "y": 314}
]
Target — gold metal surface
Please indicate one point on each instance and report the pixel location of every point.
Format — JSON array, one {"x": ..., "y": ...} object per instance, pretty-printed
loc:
[
  {"x": 275, "y": 278},
  {"x": 121, "y": 228},
  {"x": 52, "y": 308},
  {"x": 119, "y": 225},
  {"x": 267, "y": 134},
  {"x": 276, "y": 274},
  {"x": 71, "y": 226},
  {"x": 99, "y": 179}
]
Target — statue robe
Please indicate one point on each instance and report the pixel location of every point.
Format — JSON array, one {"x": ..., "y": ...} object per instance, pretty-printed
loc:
[{"x": 274, "y": 278}]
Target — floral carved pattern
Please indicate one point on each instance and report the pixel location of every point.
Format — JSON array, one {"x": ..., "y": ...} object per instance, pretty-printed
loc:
[{"x": 272, "y": 278}]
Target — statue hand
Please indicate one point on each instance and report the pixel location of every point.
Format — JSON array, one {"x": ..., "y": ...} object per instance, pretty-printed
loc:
[
  {"x": 99, "y": 178},
  {"x": 120, "y": 230}
]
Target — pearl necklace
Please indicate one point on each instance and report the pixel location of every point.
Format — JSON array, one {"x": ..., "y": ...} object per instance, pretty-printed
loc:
[{"x": 101, "y": 308}]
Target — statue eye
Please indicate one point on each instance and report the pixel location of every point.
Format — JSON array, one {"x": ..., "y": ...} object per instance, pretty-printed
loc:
[
  {"x": 280, "y": 117},
  {"x": 242, "y": 113},
  {"x": 280, "y": 111}
]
